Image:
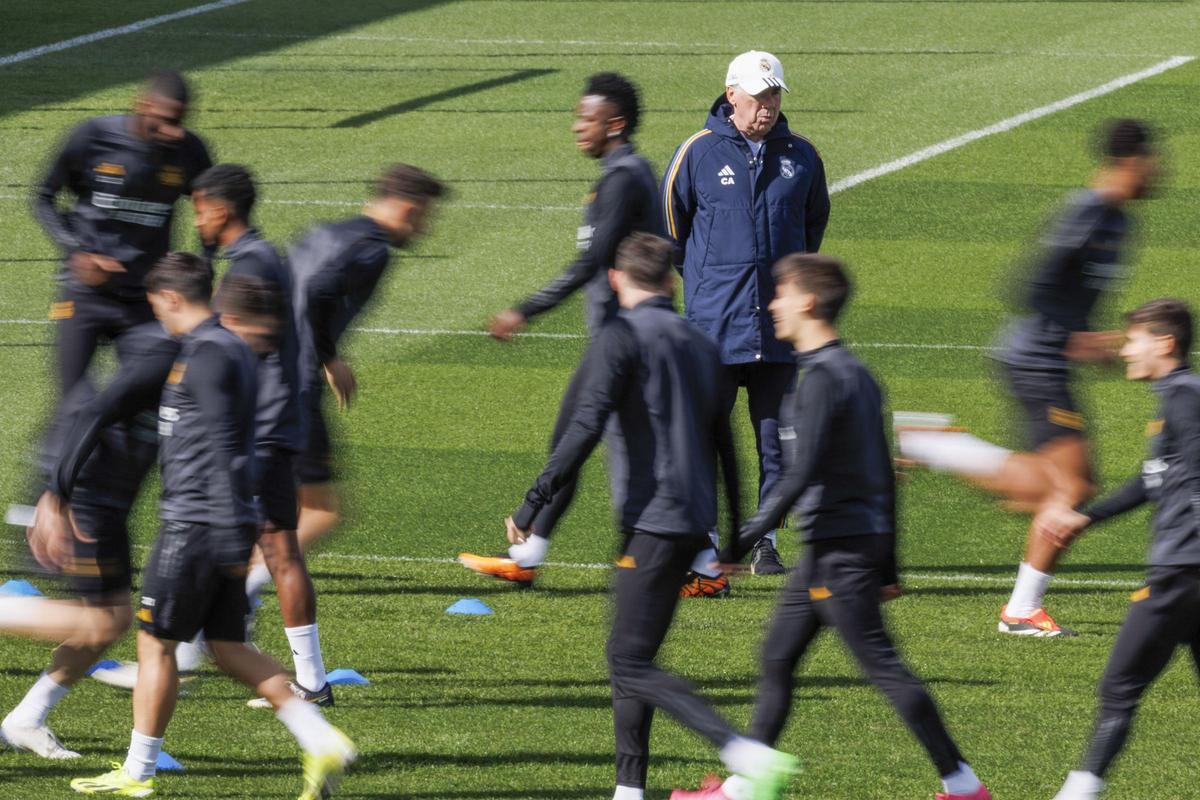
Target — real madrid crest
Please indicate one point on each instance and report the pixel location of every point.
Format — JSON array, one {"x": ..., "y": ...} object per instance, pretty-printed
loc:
[
  {"x": 786, "y": 168},
  {"x": 764, "y": 65}
]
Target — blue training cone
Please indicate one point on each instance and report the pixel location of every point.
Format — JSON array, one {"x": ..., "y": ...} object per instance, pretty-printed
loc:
[
  {"x": 166, "y": 763},
  {"x": 347, "y": 677},
  {"x": 21, "y": 588},
  {"x": 470, "y": 606},
  {"x": 99, "y": 665}
]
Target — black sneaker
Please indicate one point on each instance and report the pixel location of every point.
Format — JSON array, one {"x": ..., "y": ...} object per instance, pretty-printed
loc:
[
  {"x": 765, "y": 559},
  {"x": 322, "y": 697}
]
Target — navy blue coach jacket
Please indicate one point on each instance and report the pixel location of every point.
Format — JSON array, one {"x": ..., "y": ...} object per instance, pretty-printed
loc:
[{"x": 733, "y": 216}]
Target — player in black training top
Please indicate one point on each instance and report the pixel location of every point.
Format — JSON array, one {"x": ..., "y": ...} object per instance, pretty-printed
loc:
[
  {"x": 623, "y": 200},
  {"x": 195, "y": 576},
  {"x": 838, "y": 467},
  {"x": 336, "y": 268},
  {"x": 1166, "y": 612},
  {"x": 224, "y": 198},
  {"x": 1080, "y": 261},
  {"x": 124, "y": 174}
]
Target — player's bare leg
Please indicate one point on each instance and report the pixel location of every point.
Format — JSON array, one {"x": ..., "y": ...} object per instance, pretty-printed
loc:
[{"x": 320, "y": 511}]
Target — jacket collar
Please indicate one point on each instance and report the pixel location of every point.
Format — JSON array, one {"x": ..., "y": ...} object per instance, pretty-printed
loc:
[
  {"x": 619, "y": 152},
  {"x": 242, "y": 242},
  {"x": 718, "y": 122},
  {"x": 657, "y": 301},
  {"x": 1171, "y": 378},
  {"x": 806, "y": 356}
]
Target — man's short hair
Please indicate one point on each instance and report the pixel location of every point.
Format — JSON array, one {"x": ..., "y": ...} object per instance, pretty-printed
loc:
[
  {"x": 1166, "y": 317},
  {"x": 1122, "y": 138},
  {"x": 409, "y": 183},
  {"x": 251, "y": 298},
  {"x": 231, "y": 184},
  {"x": 824, "y": 276},
  {"x": 168, "y": 84},
  {"x": 620, "y": 91},
  {"x": 647, "y": 259},
  {"x": 185, "y": 273}
]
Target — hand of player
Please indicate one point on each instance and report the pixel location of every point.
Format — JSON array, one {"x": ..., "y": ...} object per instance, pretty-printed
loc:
[
  {"x": 341, "y": 379},
  {"x": 93, "y": 269},
  {"x": 505, "y": 324},
  {"x": 515, "y": 534},
  {"x": 893, "y": 591},
  {"x": 1060, "y": 524},
  {"x": 50, "y": 534},
  {"x": 1089, "y": 346}
]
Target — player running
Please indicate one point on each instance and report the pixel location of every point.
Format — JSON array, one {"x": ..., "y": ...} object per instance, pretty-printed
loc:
[
  {"x": 336, "y": 268},
  {"x": 624, "y": 200},
  {"x": 839, "y": 462},
  {"x": 195, "y": 576},
  {"x": 1080, "y": 261},
  {"x": 1165, "y": 613},
  {"x": 126, "y": 173},
  {"x": 658, "y": 375}
]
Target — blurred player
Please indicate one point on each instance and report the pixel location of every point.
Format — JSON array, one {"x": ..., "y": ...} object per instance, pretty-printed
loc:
[
  {"x": 1080, "y": 261},
  {"x": 1165, "y": 613},
  {"x": 658, "y": 375},
  {"x": 840, "y": 464},
  {"x": 336, "y": 268},
  {"x": 224, "y": 197},
  {"x": 195, "y": 576},
  {"x": 96, "y": 456},
  {"x": 125, "y": 172}
]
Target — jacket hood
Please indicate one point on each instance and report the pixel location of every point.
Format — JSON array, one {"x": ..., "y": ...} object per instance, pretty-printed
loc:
[{"x": 718, "y": 121}]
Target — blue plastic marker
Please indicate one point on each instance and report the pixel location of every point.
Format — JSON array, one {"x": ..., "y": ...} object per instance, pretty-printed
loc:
[{"x": 471, "y": 606}]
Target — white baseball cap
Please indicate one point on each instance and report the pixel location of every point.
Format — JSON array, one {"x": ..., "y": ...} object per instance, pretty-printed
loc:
[{"x": 754, "y": 72}]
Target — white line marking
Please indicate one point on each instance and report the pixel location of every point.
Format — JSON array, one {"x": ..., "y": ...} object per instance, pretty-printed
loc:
[
  {"x": 1007, "y": 124},
  {"x": 358, "y": 203},
  {"x": 109, "y": 33}
]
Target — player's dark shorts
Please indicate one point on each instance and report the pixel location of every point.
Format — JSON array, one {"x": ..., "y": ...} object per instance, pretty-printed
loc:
[
  {"x": 1050, "y": 411},
  {"x": 315, "y": 464},
  {"x": 100, "y": 568},
  {"x": 276, "y": 490},
  {"x": 185, "y": 592},
  {"x": 84, "y": 319}
]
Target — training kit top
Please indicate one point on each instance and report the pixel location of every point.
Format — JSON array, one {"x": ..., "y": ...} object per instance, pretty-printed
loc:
[
  {"x": 1170, "y": 477},
  {"x": 623, "y": 201},
  {"x": 278, "y": 421},
  {"x": 336, "y": 268},
  {"x": 125, "y": 190},
  {"x": 1080, "y": 259},
  {"x": 733, "y": 214},
  {"x": 837, "y": 461},
  {"x": 102, "y": 444},
  {"x": 658, "y": 374},
  {"x": 206, "y": 438}
]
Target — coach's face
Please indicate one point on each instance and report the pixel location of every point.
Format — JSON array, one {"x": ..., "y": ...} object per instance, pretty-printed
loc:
[
  {"x": 595, "y": 125},
  {"x": 754, "y": 114}
]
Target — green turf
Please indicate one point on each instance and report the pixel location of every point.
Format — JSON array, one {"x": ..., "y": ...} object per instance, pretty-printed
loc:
[{"x": 451, "y": 429}]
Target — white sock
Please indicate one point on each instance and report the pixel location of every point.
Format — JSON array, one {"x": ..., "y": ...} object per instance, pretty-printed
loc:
[
  {"x": 1028, "y": 592},
  {"x": 306, "y": 655},
  {"x": 532, "y": 553},
  {"x": 629, "y": 793},
  {"x": 962, "y": 781},
  {"x": 738, "y": 788},
  {"x": 190, "y": 655},
  {"x": 142, "y": 761},
  {"x": 952, "y": 451},
  {"x": 312, "y": 731},
  {"x": 706, "y": 564},
  {"x": 37, "y": 703},
  {"x": 747, "y": 757},
  {"x": 258, "y": 577},
  {"x": 1080, "y": 786}
]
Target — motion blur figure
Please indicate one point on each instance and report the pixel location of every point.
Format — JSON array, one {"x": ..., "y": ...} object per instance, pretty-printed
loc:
[{"x": 1080, "y": 261}]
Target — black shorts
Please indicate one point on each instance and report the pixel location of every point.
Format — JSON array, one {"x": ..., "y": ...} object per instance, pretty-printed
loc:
[
  {"x": 102, "y": 567},
  {"x": 1050, "y": 411},
  {"x": 185, "y": 592},
  {"x": 85, "y": 318},
  {"x": 315, "y": 464},
  {"x": 276, "y": 490}
]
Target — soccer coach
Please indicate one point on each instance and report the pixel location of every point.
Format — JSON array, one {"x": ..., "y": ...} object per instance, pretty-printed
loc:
[{"x": 739, "y": 195}]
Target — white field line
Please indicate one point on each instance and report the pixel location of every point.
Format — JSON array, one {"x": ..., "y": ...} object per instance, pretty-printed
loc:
[{"x": 108, "y": 33}]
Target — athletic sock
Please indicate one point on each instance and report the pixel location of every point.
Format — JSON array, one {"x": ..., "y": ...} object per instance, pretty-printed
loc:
[
  {"x": 306, "y": 655},
  {"x": 258, "y": 577},
  {"x": 189, "y": 655},
  {"x": 142, "y": 760},
  {"x": 1080, "y": 785},
  {"x": 952, "y": 451},
  {"x": 962, "y": 781},
  {"x": 37, "y": 703},
  {"x": 706, "y": 564},
  {"x": 738, "y": 788},
  {"x": 629, "y": 793},
  {"x": 1028, "y": 592},
  {"x": 747, "y": 757},
  {"x": 531, "y": 553},
  {"x": 312, "y": 731}
]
